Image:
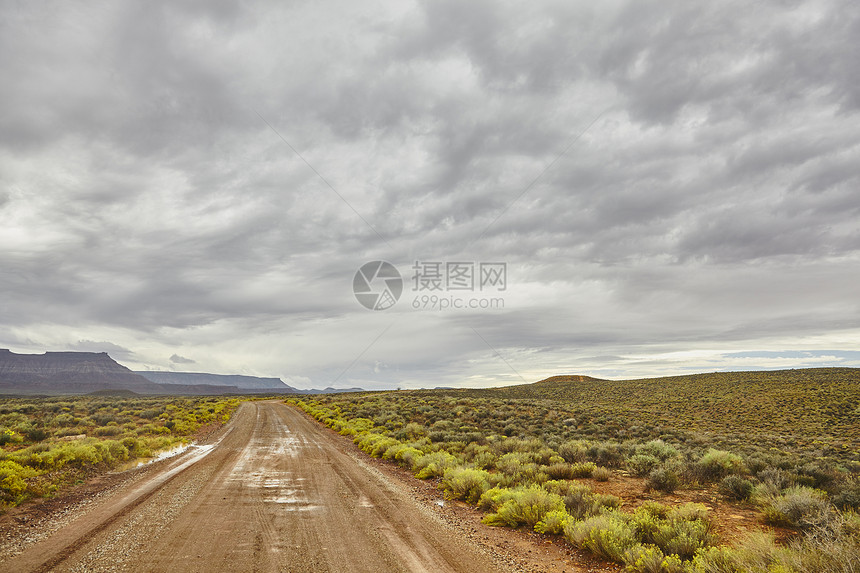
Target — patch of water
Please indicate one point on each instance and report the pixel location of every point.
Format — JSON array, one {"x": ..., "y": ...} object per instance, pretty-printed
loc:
[{"x": 162, "y": 455}]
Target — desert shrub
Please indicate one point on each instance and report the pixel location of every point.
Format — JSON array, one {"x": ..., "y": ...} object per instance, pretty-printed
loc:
[
  {"x": 848, "y": 496},
  {"x": 690, "y": 512},
  {"x": 433, "y": 464},
  {"x": 408, "y": 456},
  {"x": 512, "y": 463},
  {"x": 680, "y": 531},
  {"x": 654, "y": 508},
  {"x": 553, "y": 522},
  {"x": 479, "y": 456},
  {"x": 682, "y": 537},
  {"x": 800, "y": 507},
  {"x": 583, "y": 469},
  {"x": 107, "y": 431},
  {"x": 579, "y": 501},
  {"x": 374, "y": 444},
  {"x": 716, "y": 464},
  {"x": 716, "y": 560},
  {"x": 35, "y": 434},
  {"x": 574, "y": 451},
  {"x": 561, "y": 470},
  {"x": 607, "y": 535},
  {"x": 391, "y": 452},
  {"x": 606, "y": 501},
  {"x": 545, "y": 456},
  {"x": 736, "y": 487},
  {"x": 646, "y": 525},
  {"x": 775, "y": 477},
  {"x": 608, "y": 454},
  {"x": 380, "y": 447},
  {"x": 601, "y": 474},
  {"x": 526, "y": 505},
  {"x": 663, "y": 479},
  {"x": 493, "y": 498},
  {"x": 835, "y": 553},
  {"x": 465, "y": 483},
  {"x": 820, "y": 475},
  {"x": 12, "y": 484},
  {"x": 412, "y": 431},
  {"x": 64, "y": 420},
  {"x": 650, "y": 559},
  {"x": 659, "y": 449},
  {"x": 642, "y": 464}
]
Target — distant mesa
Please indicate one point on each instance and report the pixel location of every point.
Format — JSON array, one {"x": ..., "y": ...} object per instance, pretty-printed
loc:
[
  {"x": 232, "y": 380},
  {"x": 240, "y": 383},
  {"x": 55, "y": 373},
  {"x": 67, "y": 373}
]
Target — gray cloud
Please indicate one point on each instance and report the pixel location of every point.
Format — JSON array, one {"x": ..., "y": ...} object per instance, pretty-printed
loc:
[{"x": 710, "y": 209}]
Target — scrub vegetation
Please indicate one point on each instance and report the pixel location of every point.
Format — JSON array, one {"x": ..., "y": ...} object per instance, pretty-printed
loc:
[
  {"x": 783, "y": 443},
  {"x": 49, "y": 443}
]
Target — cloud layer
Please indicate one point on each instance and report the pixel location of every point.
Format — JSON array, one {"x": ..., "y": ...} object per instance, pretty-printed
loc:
[{"x": 672, "y": 186}]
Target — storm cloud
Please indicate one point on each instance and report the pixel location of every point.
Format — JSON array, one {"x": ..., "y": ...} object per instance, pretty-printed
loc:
[{"x": 672, "y": 186}]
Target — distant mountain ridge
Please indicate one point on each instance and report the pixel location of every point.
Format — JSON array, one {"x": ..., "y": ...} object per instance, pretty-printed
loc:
[
  {"x": 244, "y": 383},
  {"x": 87, "y": 372},
  {"x": 238, "y": 380}
]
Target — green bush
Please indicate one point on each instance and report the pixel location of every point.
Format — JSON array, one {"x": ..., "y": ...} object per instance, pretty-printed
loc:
[
  {"x": 12, "y": 484},
  {"x": 525, "y": 506},
  {"x": 560, "y": 470},
  {"x": 35, "y": 434},
  {"x": 680, "y": 531},
  {"x": 433, "y": 464},
  {"x": 683, "y": 538},
  {"x": 465, "y": 483},
  {"x": 650, "y": 455},
  {"x": 642, "y": 464},
  {"x": 800, "y": 507},
  {"x": 608, "y": 454},
  {"x": 583, "y": 469},
  {"x": 574, "y": 451},
  {"x": 107, "y": 431},
  {"x": 579, "y": 501},
  {"x": 650, "y": 559},
  {"x": 607, "y": 535},
  {"x": 601, "y": 474},
  {"x": 408, "y": 456},
  {"x": 553, "y": 522},
  {"x": 663, "y": 479},
  {"x": 736, "y": 487},
  {"x": 848, "y": 496},
  {"x": 716, "y": 464},
  {"x": 717, "y": 560},
  {"x": 493, "y": 498}
]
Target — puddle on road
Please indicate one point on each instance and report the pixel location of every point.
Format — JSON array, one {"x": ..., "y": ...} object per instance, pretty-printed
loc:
[{"x": 162, "y": 455}]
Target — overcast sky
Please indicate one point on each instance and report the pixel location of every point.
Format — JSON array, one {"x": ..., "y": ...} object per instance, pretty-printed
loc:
[{"x": 673, "y": 186}]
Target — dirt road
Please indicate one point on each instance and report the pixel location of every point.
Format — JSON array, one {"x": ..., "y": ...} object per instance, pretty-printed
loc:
[{"x": 272, "y": 492}]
